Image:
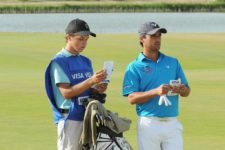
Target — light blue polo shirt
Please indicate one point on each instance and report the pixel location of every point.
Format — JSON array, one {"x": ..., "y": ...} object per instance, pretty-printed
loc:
[
  {"x": 58, "y": 76},
  {"x": 143, "y": 74}
]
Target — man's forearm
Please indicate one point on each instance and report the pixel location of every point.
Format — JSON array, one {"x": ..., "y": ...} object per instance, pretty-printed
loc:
[
  {"x": 69, "y": 91},
  {"x": 141, "y": 97}
]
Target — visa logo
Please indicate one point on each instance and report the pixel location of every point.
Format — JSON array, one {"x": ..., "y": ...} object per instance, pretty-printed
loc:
[{"x": 81, "y": 75}]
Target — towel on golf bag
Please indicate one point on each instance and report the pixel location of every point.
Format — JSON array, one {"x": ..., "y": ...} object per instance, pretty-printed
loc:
[{"x": 96, "y": 115}]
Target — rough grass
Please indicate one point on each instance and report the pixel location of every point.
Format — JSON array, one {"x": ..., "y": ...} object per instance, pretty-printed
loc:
[
  {"x": 26, "y": 118},
  {"x": 136, "y": 1},
  {"x": 41, "y": 6}
]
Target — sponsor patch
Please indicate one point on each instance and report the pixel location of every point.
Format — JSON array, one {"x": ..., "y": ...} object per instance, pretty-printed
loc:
[{"x": 147, "y": 69}]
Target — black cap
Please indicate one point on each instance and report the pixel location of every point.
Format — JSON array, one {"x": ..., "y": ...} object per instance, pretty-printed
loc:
[
  {"x": 150, "y": 28},
  {"x": 80, "y": 27}
]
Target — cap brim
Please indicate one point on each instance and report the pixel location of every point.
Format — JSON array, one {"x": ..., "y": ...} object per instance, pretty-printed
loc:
[
  {"x": 92, "y": 34},
  {"x": 85, "y": 33},
  {"x": 162, "y": 30}
]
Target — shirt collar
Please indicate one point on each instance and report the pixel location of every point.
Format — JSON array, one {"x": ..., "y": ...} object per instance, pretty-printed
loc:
[
  {"x": 142, "y": 57},
  {"x": 66, "y": 53}
]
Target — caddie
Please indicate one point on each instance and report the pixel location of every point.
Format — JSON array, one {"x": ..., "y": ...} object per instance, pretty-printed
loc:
[{"x": 68, "y": 79}]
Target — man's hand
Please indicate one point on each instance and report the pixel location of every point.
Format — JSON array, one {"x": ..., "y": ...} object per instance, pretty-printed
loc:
[
  {"x": 101, "y": 87},
  {"x": 182, "y": 90},
  {"x": 163, "y": 89},
  {"x": 98, "y": 76}
]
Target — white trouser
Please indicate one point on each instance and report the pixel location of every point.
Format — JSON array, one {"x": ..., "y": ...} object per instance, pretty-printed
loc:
[
  {"x": 69, "y": 134},
  {"x": 159, "y": 134}
]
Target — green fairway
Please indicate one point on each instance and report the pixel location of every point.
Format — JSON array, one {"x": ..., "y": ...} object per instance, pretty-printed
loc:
[{"x": 26, "y": 121}]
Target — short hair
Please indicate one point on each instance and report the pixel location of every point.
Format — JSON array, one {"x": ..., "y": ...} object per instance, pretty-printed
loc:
[
  {"x": 140, "y": 41},
  {"x": 69, "y": 34}
]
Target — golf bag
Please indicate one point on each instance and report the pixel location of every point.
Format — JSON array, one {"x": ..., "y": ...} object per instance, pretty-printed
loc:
[
  {"x": 111, "y": 141},
  {"x": 101, "y": 136}
]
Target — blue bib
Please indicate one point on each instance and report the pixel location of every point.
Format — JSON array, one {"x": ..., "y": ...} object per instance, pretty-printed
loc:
[{"x": 78, "y": 68}]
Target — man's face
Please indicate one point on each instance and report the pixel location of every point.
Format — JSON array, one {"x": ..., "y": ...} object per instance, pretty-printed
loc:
[
  {"x": 152, "y": 42},
  {"x": 78, "y": 42}
]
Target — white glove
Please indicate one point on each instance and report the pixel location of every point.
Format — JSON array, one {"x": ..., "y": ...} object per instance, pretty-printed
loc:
[{"x": 164, "y": 99}]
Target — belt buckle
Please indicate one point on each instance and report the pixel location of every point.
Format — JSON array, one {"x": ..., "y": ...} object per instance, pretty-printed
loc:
[
  {"x": 163, "y": 119},
  {"x": 167, "y": 118}
]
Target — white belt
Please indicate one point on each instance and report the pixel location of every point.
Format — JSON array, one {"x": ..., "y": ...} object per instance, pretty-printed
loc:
[{"x": 162, "y": 118}]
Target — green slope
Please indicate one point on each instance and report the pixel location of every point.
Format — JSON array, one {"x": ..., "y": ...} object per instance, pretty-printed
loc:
[{"x": 26, "y": 119}]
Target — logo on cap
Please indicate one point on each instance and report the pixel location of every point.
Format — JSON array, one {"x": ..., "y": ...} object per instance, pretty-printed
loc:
[{"x": 155, "y": 25}]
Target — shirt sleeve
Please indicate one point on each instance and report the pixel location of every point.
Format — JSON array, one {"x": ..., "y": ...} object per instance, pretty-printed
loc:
[
  {"x": 181, "y": 75},
  {"x": 57, "y": 74},
  {"x": 131, "y": 81}
]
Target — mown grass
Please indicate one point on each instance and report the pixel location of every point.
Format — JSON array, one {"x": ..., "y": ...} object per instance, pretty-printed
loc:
[{"x": 25, "y": 116}]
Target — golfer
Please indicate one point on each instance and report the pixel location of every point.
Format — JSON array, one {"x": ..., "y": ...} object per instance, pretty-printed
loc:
[
  {"x": 68, "y": 79},
  {"x": 145, "y": 80}
]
